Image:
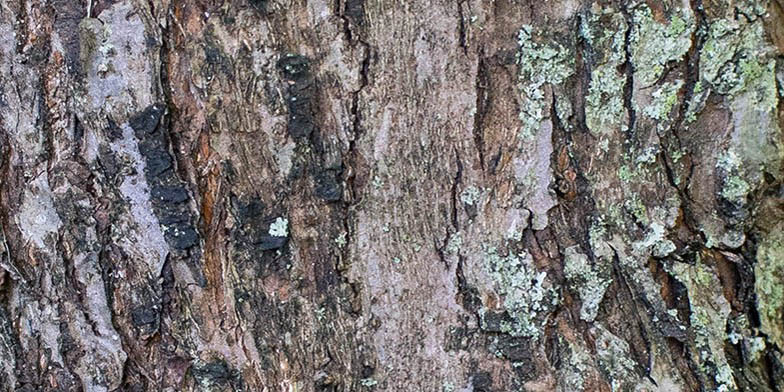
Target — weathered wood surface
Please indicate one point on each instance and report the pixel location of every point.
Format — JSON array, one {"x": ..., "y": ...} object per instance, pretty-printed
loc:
[{"x": 424, "y": 195}]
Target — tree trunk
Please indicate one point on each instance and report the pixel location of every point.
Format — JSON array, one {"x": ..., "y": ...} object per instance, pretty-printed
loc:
[{"x": 421, "y": 195}]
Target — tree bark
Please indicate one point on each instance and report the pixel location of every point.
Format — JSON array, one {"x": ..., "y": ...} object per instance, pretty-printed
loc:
[{"x": 424, "y": 195}]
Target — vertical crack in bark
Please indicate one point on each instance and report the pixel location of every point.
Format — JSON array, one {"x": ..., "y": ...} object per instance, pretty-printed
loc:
[
  {"x": 340, "y": 12},
  {"x": 480, "y": 111},
  {"x": 698, "y": 38},
  {"x": 356, "y": 132},
  {"x": 462, "y": 28},
  {"x": 453, "y": 210},
  {"x": 692, "y": 77},
  {"x": 583, "y": 72},
  {"x": 455, "y": 182},
  {"x": 628, "y": 90},
  {"x": 623, "y": 283}
]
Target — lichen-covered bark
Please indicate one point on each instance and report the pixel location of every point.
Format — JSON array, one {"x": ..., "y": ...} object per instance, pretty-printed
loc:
[{"x": 347, "y": 195}]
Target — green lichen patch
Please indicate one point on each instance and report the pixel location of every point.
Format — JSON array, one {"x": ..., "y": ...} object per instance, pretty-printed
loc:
[
  {"x": 728, "y": 41},
  {"x": 574, "y": 370},
  {"x": 527, "y": 295},
  {"x": 614, "y": 357},
  {"x": 279, "y": 228},
  {"x": 769, "y": 284},
  {"x": 540, "y": 65},
  {"x": 604, "y": 106},
  {"x": 655, "y": 242},
  {"x": 662, "y": 102},
  {"x": 454, "y": 243},
  {"x": 470, "y": 196},
  {"x": 590, "y": 281},
  {"x": 709, "y": 314},
  {"x": 653, "y": 44},
  {"x": 735, "y": 189}
]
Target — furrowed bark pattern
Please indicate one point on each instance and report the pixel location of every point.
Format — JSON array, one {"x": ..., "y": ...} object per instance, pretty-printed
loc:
[{"x": 474, "y": 195}]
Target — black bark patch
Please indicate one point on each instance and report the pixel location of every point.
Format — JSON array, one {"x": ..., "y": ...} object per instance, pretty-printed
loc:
[
  {"x": 252, "y": 236},
  {"x": 296, "y": 71},
  {"x": 108, "y": 162},
  {"x": 171, "y": 194},
  {"x": 294, "y": 67},
  {"x": 492, "y": 321},
  {"x": 259, "y": 5},
  {"x": 147, "y": 120},
  {"x": 168, "y": 193},
  {"x": 217, "y": 373},
  {"x": 513, "y": 348},
  {"x": 481, "y": 381},
  {"x": 113, "y": 131},
  {"x": 69, "y": 14},
  {"x": 355, "y": 11},
  {"x": 457, "y": 338},
  {"x": 158, "y": 160},
  {"x": 328, "y": 186},
  {"x": 144, "y": 315},
  {"x": 270, "y": 242},
  {"x": 182, "y": 236}
]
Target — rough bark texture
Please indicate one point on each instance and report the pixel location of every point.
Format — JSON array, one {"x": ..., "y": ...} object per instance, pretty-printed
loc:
[{"x": 423, "y": 195}]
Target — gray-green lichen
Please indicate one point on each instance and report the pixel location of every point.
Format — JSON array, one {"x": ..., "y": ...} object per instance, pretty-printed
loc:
[
  {"x": 738, "y": 62},
  {"x": 573, "y": 371},
  {"x": 448, "y": 387},
  {"x": 653, "y": 44},
  {"x": 662, "y": 103},
  {"x": 604, "y": 106},
  {"x": 769, "y": 284},
  {"x": 591, "y": 281},
  {"x": 735, "y": 188},
  {"x": 279, "y": 228},
  {"x": 470, "y": 196},
  {"x": 539, "y": 65},
  {"x": 368, "y": 382},
  {"x": 527, "y": 294},
  {"x": 655, "y": 242},
  {"x": 614, "y": 359},
  {"x": 454, "y": 243},
  {"x": 709, "y": 314}
]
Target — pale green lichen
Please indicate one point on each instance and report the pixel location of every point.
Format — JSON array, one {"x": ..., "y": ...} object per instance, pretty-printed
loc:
[
  {"x": 573, "y": 373},
  {"x": 470, "y": 196},
  {"x": 729, "y": 39},
  {"x": 591, "y": 281},
  {"x": 735, "y": 189},
  {"x": 604, "y": 106},
  {"x": 655, "y": 242},
  {"x": 709, "y": 314},
  {"x": 526, "y": 294},
  {"x": 454, "y": 243},
  {"x": 653, "y": 44},
  {"x": 663, "y": 101},
  {"x": 614, "y": 359},
  {"x": 756, "y": 348},
  {"x": 279, "y": 228},
  {"x": 368, "y": 382},
  {"x": 769, "y": 273},
  {"x": 377, "y": 182},
  {"x": 635, "y": 206},
  {"x": 539, "y": 65},
  {"x": 448, "y": 387},
  {"x": 625, "y": 173},
  {"x": 340, "y": 240}
]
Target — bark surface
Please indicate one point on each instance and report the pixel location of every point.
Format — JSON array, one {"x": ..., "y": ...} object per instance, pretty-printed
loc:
[{"x": 424, "y": 195}]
